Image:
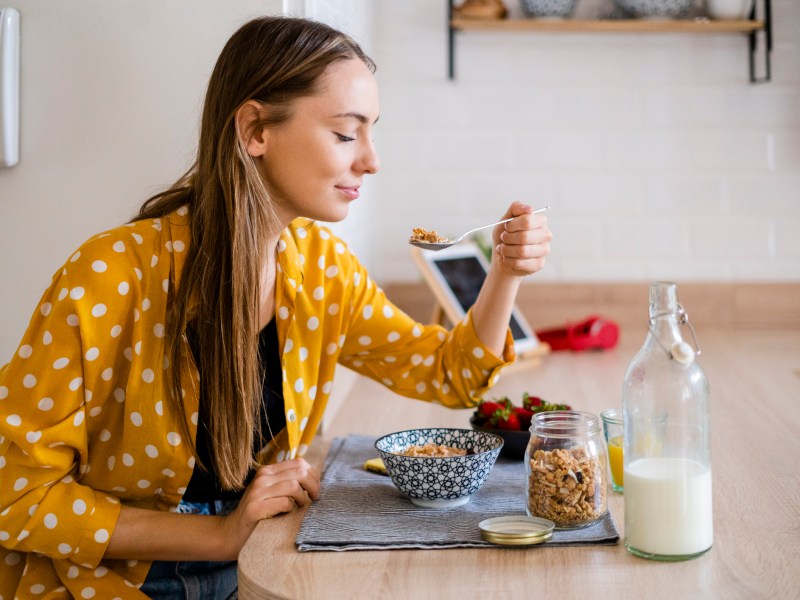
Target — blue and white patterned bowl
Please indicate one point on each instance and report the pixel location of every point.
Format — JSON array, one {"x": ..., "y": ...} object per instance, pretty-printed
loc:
[
  {"x": 439, "y": 482},
  {"x": 655, "y": 9}
]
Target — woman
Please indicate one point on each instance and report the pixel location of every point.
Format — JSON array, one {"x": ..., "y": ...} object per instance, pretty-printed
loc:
[{"x": 174, "y": 356}]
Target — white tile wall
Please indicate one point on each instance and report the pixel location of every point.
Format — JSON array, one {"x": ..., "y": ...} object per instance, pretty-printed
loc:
[
  {"x": 110, "y": 94},
  {"x": 354, "y": 17},
  {"x": 658, "y": 156}
]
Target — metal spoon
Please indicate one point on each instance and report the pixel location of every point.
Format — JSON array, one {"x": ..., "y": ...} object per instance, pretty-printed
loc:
[{"x": 448, "y": 243}]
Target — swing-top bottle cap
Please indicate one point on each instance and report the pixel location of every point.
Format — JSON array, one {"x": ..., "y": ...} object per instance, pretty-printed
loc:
[{"x": 683, "y": 353}]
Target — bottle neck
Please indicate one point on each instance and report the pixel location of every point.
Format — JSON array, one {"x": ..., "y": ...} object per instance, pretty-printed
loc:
[{"x": 665, "y": 313}]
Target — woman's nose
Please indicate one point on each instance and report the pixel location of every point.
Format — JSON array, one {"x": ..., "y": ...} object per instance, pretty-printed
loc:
[{"x": 370, "y": 162}]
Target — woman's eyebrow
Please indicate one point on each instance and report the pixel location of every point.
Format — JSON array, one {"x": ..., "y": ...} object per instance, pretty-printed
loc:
[{"x": 354, "y": 115}]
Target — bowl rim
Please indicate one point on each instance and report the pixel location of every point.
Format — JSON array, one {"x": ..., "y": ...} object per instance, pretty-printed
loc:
[{"x": 499, "y": 440}]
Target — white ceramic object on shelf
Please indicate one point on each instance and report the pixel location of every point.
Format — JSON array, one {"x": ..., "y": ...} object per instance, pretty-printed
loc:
[
  {"x": 548, "y": 9},
  {"x": 655, "y": 9},
  {"x": 731, "y": 10}
]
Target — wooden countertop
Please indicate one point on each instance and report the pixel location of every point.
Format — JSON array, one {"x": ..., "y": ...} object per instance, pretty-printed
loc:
[{"x": 755, "y": 395}]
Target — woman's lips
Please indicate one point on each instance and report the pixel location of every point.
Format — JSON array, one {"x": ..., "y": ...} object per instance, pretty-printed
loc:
[{"x": 350, "y": 192}]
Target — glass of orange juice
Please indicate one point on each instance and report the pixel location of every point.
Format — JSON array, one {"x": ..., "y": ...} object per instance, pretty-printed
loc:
[{"x": 613, "y": 428}]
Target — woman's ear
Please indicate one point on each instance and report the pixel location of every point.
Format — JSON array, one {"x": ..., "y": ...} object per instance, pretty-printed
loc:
[{"x": 253, "y": 135}]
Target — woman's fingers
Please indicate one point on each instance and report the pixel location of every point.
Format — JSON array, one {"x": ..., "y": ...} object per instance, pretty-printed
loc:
[
  {"x": 275, "y": 489},
  {"x": 270, "y": 494},
  {"x": 295, "y": 470},
  {"x": 523, "y": 219},
  {"x": 288, "y": 465},
  {"x": 525, "y": 237},
  {"x": 518, "y": 211},
  {"x": 288, "y": 488},
  {"x": 522, "y": 244},
  {"x": 279, "y": 498},
  {"x": 274, "y": 506},
  {"x": 526, "y": 222},
  {"x": 533, "y": 249}
]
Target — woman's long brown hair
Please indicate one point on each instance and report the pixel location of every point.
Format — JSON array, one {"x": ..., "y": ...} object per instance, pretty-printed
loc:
[{"x": 273, "y": 60}]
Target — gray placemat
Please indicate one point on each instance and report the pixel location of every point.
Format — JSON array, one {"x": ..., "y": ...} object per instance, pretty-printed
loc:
[{"x": 361, "y": 510}]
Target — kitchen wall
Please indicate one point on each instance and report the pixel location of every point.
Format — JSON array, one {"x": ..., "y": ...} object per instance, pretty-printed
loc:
[
  {"x": 658, "y": 157},
  {"x": 111, "y": 94},
  {"x": 357, "y": 19}
]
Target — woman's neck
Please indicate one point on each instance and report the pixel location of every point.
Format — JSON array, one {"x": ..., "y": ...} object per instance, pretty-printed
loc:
[{"x": 267, "y": 284}]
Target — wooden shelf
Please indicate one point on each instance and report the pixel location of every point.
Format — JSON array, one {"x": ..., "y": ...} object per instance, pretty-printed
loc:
[
  {"x": 706, "y": 26},
  {"x": 753, "y": 28}
]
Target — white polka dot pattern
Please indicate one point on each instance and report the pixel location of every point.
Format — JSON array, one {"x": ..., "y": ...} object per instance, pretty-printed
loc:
[
  {"x": 90, "y": 371},
  {"x": 66, "y": 386}
]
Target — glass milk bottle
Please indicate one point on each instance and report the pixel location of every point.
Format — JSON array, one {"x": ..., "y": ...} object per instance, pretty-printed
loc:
[{"x": 667, "y": 454}]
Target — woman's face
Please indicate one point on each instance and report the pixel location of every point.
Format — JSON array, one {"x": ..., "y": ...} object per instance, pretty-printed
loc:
[{"x": 315, "y": 162}]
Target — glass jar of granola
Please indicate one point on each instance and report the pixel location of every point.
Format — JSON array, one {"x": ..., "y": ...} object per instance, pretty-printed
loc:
[{"x": 565, "y": 463}]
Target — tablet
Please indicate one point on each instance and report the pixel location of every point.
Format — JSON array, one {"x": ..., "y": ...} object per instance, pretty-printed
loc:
[{"x": 455, "y": 275}]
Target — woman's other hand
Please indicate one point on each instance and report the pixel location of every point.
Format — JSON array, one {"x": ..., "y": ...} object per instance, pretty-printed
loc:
[
  {"x": 156, "y": 535},
  {"x": 521, "y": 246},
  {"x": 275, "y": 489}
]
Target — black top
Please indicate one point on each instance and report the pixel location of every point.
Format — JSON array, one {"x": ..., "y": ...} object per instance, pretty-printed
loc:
[{"x": 204, "y": 485}]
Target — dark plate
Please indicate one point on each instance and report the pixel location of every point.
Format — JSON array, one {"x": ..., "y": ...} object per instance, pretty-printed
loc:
[{"x": 515, "y": 442}]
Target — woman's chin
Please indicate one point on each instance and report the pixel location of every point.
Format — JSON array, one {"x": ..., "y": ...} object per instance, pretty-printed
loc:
[{"x": 333, "y": 216}]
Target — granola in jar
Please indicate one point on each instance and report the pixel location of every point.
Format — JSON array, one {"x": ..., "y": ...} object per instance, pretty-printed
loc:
[{"x": 566, "y": 469}]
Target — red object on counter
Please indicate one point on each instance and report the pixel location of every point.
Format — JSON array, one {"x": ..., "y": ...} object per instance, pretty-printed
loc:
[{"x": 593, "y": 333}]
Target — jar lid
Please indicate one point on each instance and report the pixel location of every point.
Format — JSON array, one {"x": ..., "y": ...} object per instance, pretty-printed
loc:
[{"x": 517, "y": 530}]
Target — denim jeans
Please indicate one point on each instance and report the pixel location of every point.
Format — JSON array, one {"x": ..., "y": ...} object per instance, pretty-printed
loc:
[
  {"x": 191, "y": 581},
  {"x": 194, "y": 580}
]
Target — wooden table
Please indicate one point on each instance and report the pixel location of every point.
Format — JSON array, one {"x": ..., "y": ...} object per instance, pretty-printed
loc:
[{"x": 755, "y": 387}]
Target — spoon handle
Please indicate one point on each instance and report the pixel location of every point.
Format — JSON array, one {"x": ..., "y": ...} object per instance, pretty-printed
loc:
[
  {"x": 538, "y": 210},
  {"x": 485, "y": 226}
]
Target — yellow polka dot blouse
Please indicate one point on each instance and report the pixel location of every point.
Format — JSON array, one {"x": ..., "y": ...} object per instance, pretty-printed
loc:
[{"x": 84, "y": 421}]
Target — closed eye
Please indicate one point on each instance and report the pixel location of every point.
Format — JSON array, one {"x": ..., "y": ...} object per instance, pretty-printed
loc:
[{"x": 344, "y": 138}]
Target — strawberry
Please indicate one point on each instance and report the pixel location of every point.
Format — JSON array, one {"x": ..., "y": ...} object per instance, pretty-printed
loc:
[
  {"x": 546, "y": 406},
  {"x": 524, "y": 416},
  {"x": 487, "y": 408},
  {"x": 502, "y": 413},
  {"x": 537, "y": 404},
  {"x": 530, "y": 401},
  {"x": 506, "y": 419}
]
